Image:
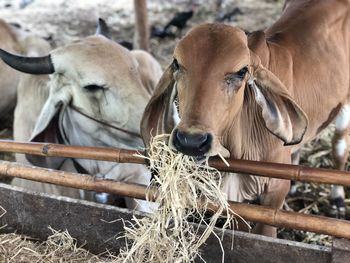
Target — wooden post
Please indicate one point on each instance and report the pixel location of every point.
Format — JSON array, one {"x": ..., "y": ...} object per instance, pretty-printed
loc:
[{"x": 141, "y": 37}]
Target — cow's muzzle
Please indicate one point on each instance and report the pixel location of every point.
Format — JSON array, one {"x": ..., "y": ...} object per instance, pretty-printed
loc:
[{"x": 193, "y": 144}]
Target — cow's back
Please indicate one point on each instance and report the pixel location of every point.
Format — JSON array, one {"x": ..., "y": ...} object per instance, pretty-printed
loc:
[
  {"x": 32, "y": 92},
  {"x": 8, "y": 76},
  {"x": 314, "y": 37}
]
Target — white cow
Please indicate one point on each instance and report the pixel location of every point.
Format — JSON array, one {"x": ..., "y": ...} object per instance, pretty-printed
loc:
[
  {"x": 17, "y": 41},
  {"x": 97, "y": 94}
]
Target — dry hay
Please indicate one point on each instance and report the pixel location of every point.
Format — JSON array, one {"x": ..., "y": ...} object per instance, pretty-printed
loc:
[
  {"x": 59, "y": 247},
  {"x": 168, "y": 235},
  {"x": 318, "y": 153}
]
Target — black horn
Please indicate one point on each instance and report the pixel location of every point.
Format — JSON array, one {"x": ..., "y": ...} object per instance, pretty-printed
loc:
[
  {"x": 102, "y": 28},
  {"x": 31, "y": 65}
]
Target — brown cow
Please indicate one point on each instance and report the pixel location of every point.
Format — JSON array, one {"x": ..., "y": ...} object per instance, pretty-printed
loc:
[{"x": 258, "y": 97}]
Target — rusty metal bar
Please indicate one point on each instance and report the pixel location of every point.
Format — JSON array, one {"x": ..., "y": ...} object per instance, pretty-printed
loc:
[
  {"x": 255, "y": 213},
  {"x": 276, "y": 170}
]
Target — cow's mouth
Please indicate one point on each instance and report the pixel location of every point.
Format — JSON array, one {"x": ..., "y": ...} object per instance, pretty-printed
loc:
[
  {"x": 199, "y": 145},
  {"x": 192, "y": 144}
]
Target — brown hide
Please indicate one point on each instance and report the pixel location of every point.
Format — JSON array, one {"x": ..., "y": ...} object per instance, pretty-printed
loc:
[{"x": 297, "y": 79}]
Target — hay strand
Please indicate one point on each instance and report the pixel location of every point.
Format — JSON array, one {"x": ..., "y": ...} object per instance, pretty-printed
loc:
[
  {"x": 168, "y": 234},
  {"x": 223, "y": 159}
]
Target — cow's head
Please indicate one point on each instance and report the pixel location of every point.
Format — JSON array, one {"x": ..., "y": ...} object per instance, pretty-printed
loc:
[
  {"x": 213, "y": 76},
  {"x": 95, "y": 85}
]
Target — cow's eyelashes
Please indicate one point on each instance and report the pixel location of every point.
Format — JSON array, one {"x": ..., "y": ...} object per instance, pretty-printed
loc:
[
  {"x": 241, "y": 73},
  {"x": 93, "y": 88},
  {"x": 236, "y": 78}
]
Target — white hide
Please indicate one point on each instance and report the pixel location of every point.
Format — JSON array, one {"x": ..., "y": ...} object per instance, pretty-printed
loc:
[
  {"x": 342, "y": 120},
  {"x": 337, "y": 191},
  {"x": 9, "y": 77},
  {"x": 127, "y": 87},
  {"x": 341, "y": 147}
]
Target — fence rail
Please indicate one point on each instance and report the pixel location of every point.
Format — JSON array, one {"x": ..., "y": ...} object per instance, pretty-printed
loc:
[
  {"x": 276, "y": 170},
  {"x": 255, "y": 213}
]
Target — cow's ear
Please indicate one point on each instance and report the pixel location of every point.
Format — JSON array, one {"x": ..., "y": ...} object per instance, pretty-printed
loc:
[
  {"x": 47, "y": 130},
  {"x": 158, "y": 115},
  {"x": 282, "y": 115}
]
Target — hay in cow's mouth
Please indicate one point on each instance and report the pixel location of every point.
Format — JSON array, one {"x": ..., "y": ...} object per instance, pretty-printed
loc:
[{"x": 167, "y": 235}]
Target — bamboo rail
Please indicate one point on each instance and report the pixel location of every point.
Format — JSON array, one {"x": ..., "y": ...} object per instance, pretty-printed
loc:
[
  {"x": 276, "y": 170},
  {"x": 255, "y": 213}
]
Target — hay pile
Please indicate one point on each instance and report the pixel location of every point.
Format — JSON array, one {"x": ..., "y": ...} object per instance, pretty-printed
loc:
[
  {"x": 168, "y": 235},
  {"x": 318, "y": 153},
  {"x": 59, "y": 247}
]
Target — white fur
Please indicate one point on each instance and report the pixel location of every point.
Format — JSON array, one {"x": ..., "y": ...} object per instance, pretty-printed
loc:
[
  {"x": 342, "y": 120},
  {"x": 337, "y": 192},
  {"x": 121, "y": 104},
  {"x": 341, "y": 147},
  {"x": 102, "y": 198},
  {"x": 23, "y": 43},
  {"x": 276, "y": 123},
  {"x": 176, "y": 115}
]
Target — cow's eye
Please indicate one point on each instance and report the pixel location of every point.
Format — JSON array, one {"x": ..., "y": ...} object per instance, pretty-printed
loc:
[
  {"x": 241, "y": 73},
  {"x": 175, "y": 65},
  {"x": 93, "y": 88}
]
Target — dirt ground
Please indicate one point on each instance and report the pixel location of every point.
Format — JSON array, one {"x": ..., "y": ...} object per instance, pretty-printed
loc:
[
  {"x": 62, "y": 21},
  {"x": 65, "y": 21}
]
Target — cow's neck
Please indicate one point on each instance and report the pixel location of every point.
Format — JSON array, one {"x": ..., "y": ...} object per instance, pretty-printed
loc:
[
  {"x": 80, "y": 130},
  {"x": 273, "y": 56},
  {"x": 248, "y": 138}
]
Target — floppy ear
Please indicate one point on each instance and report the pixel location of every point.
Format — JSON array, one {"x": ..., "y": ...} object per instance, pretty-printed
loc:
[
  {"x": 282, "y": 115},
  {"x": 47, "y": 130},
  {"x": 158, "y": 115}
]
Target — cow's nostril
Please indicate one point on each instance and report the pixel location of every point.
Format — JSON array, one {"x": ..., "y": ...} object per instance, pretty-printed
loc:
[
  {"x": 181, "y": 137},
  {"x": 195, "y": 144},
  {"x": 205, "y": 141}
]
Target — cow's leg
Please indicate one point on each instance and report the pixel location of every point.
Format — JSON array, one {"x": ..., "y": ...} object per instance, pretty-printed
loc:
[
  {"x": 274, "y": 193},
  {"x": 340, "y": 155},
  {"x": 274, "y": 197}
]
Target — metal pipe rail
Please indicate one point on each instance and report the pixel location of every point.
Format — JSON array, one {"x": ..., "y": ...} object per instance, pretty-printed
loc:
[
  {"x": 276, "y": 170},
  {"x": 255, "y": 213}
]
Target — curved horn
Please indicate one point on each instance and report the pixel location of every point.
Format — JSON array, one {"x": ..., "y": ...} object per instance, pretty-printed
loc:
[
  {"x": 31, "y": 65},
  {"x": 102, "y": 28}
]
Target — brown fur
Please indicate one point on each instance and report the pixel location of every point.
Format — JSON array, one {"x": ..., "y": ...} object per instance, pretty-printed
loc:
[{"x": 300, "y": 68}]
